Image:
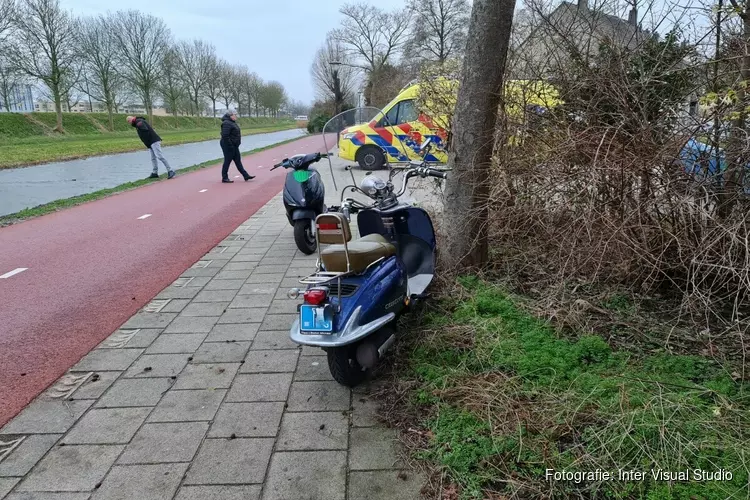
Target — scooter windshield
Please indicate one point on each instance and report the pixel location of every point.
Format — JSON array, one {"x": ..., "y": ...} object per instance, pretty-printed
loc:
[{"x": 368, "y": 136}]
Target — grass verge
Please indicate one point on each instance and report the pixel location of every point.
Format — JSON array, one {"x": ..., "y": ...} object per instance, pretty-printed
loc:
[
  {"x": 55, "y": 206},
  {"x": 497, "y": 399},
  {"x": 42, "y": 149}
]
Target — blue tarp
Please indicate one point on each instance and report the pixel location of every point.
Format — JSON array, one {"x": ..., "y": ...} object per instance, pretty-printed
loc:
[
  {"x": 702, "y": 160},
  {"x": 707, "y": 164}
]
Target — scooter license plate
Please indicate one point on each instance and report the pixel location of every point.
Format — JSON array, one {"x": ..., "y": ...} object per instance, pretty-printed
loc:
[{"x": 315, "y": 319}]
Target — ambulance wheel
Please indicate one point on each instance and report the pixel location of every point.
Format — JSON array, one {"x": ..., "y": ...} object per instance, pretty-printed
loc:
[{"x": 371, "y": 158}]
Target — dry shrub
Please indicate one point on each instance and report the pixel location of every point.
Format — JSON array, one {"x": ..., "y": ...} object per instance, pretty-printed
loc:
[{"x": 594, "y": 192}]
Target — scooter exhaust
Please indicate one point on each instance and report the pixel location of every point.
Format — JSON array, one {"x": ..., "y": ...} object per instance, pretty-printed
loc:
[{"x": 373, "y": 349}]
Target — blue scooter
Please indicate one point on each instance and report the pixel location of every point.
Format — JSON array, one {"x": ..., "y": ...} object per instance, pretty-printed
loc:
[{"x": 361, "y": 286}]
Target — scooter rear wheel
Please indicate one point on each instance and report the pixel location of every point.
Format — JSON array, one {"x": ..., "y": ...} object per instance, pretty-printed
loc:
[
  {"x": 304, "y": 237},
  {"x": 342, "y": 361}
]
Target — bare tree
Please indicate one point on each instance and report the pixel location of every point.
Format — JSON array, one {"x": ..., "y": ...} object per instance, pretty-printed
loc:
[
  {"x": 273, "y": 97},
  {"x": 479, "y": 97},
  {"x": 228, "y": 76},
  {"x": 171, "y": 84},
  {"x": 372, "y": 36},
  {"x": 297, "y": 108},
  {"x": 439, "y": 28},
  {"x": 737, "y": 144},
  {"x": 214, "y": 81},
  {"x": 333, "y": 75},
  {"x": 253, "y": 89},
  {"x": 7, "y": 12},
  {"x": 44, "y": 48},
  {"x": 142, "y": 40},
  {"x": 103, "y": 81},
  {"x": 238, "y": 86},
  {"x": 72, "y": 97},
  {"x": 196, "y": 58},
  {"x": 10, "y": 79}
]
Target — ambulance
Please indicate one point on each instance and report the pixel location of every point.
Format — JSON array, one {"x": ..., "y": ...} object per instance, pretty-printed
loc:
[{"x": 395, "y": 134}]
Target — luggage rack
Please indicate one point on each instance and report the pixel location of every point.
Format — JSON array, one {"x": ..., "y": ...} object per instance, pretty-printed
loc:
[
  {"x": 340, "y": 235},
  {"x": 322, "y": 277}
]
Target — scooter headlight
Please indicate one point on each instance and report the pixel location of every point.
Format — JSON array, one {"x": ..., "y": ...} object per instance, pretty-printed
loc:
[
  {"x": 293, "y": 293},
  {"x": 372, "y": 185}
]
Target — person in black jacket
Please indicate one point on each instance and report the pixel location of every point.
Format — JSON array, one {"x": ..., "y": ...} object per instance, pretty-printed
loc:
[
  {"x": 152, "y": 141},
  {"x": 231, "y": 138}
]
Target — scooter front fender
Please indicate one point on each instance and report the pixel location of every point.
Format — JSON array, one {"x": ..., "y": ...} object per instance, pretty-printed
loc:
[
  {"x": 303, "y": 213},
  {"x": 352, "y": 332}
]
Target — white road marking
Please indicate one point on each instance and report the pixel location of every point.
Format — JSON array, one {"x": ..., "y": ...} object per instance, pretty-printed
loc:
[
  {"x": 203, "y": 190},
  {"x": 260, "y": 166},
  {"x": 13, "y": 272},
  {"x": 236, "y": 176},
  {"x": 145, "y": 216}
]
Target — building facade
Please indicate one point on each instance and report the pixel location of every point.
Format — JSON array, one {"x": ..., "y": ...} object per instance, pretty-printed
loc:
[
  {"x": 21, "y": 100},
  {"x": 572, "y": 30}
]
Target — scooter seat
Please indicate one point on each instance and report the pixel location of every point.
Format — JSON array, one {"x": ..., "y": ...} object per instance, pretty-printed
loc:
[{"x": 362, "y": 252}]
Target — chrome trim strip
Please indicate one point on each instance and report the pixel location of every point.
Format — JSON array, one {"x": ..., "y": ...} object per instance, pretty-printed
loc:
[{"x": 351, "y": 333}]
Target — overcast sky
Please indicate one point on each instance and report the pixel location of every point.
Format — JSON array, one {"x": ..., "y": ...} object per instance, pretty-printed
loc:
[{"x": 275, "y": 38}]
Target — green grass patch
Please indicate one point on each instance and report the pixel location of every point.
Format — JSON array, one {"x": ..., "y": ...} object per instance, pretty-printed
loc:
[
  {"x": 58, "y": 205},
  {"x": 34, "y": 150},
  {"x": 17, "y": 126},
  {"x": 20, "y": 126},
  {"x": 118, "y": 122},
  {"x": 508, "y": 399},
  {"x": 73, "y": 123}
]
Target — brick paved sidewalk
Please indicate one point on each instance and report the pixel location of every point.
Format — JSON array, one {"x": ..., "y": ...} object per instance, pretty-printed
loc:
[{"x": 203, "y": 396}]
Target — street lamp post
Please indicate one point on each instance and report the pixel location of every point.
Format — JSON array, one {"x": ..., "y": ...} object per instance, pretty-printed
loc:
[
  {"x": 359, "y": 106},
  {"x": 336, "y": 93}
]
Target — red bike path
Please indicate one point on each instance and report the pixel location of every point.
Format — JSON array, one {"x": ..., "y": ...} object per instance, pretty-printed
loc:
[{"x": 91, "y": 267}]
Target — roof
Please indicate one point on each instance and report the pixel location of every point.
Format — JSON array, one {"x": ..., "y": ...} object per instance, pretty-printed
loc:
[
  {"x": 605, "y": 24},
  {"x": 602, "y": 25}
]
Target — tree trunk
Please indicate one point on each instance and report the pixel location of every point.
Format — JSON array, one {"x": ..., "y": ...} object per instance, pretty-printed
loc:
[
  {"x": 214, "y": 107},
  {"x": 737, "y": 147},
  {"x": 466, "y": 214},
  {"x": 6, "y": 98},
  {"x": 148, "y": 106},
  {"x": 58, "y": 110},
  {"x": 111, "y": 117},
  {"x": 369, "y": 88}
]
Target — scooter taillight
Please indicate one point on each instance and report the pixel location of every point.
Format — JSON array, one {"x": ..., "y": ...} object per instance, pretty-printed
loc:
[{"x": 315, "y": 296}]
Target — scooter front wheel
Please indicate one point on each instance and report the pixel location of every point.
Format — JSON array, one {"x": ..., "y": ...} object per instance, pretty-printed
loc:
[
  {"x": 304, "y": 236},
  {"x": 342, "y": 361}
]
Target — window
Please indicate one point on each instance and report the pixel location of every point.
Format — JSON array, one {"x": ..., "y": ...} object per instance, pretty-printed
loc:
[
  {"x": 390, "y": 118},
  {"x": 407, "y": 112},
  {"x": 403, "y": 112}
]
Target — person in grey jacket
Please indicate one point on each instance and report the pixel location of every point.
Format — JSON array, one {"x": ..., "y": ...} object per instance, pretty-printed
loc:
[
  {"x": 231, "y": 138},
  {"x": 152, "y": 141}
]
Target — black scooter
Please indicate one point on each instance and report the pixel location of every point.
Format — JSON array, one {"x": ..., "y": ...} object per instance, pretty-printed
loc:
[{"x": 304, "y": 195}]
